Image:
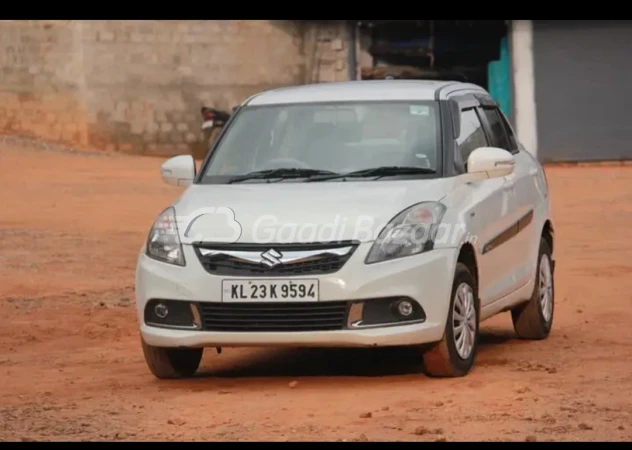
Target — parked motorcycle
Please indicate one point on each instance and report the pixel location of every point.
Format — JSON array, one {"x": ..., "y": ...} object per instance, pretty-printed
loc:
[{"x": 214, "y": 120}]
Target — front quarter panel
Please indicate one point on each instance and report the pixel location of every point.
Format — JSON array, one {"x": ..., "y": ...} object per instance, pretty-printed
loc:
[
  {"x": 459, "y": 224},
  {"x": 478, "y": 211}
]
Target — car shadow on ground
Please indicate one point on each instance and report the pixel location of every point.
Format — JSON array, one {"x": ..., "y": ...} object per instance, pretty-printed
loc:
[{"x": 337, "y": 362}]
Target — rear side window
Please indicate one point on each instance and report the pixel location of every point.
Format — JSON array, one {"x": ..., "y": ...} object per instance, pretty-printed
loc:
[
  {"x": 498, "y": 133},
  {"x": 472, "y": 134}
]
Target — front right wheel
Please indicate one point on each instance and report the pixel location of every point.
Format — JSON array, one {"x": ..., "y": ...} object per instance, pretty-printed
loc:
[{"x": 454, "y": 355}]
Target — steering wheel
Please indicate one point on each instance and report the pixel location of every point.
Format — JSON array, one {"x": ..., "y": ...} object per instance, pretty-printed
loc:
[{"x": 280, "y": 163}]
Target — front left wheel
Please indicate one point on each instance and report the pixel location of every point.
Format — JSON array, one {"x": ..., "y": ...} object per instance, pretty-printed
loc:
[
  {"x": 170, "y": 363},
  {"x": 454, "y": 355}
]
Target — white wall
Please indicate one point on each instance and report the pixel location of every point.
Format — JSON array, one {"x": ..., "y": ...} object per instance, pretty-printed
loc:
[{"x": 524, "y": 84}]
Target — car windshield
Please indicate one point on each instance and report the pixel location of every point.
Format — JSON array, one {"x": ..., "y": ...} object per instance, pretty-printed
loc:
[{"x": 324, "y": 140}]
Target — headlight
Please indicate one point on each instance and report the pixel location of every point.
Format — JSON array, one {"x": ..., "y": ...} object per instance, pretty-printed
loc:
[
  {"x": 410, "y": 232},
  {"x": 163, "y": 243}
]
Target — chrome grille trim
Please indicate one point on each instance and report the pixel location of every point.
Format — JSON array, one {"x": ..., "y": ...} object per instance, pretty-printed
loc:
[{"x": 274, "y": 259}]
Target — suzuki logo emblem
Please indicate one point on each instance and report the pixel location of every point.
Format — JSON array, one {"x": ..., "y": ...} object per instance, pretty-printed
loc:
[{"x": 271, "y": 258}]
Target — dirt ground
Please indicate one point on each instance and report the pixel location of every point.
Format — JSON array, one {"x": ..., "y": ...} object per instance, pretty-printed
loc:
[{"x": 71, "y": 366}]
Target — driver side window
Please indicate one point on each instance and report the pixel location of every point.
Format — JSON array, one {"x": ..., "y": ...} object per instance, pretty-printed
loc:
[
  {"x": 513, "y": 142},
  {"x": 471, "y": 136}
]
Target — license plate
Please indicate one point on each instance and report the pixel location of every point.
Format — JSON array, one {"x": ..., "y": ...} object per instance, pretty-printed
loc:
[{"x": 269, "y": 290}]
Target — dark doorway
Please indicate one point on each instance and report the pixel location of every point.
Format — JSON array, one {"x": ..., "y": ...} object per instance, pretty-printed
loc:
[{"x": 433, "y": 49}]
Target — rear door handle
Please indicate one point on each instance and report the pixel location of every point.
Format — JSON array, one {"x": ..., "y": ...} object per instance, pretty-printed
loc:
[{"x": 533, "y": 172}]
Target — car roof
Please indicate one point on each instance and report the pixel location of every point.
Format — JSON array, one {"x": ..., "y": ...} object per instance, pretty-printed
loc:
[{"x": 366, "y": 90}]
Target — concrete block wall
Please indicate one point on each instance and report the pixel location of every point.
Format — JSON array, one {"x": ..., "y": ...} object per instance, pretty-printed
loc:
[
  {"x": 137, "y": 86},
  {"x": 326, "y": 46}
]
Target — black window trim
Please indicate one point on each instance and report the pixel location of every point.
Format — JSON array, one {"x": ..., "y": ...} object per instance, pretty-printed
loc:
[
  {"x": 486, "y": 101},
  {"x": 461, "y": 102},
  {"x": 456, "y": 101},
  {"x": 504, "y": 123},
  {"x": 488, "y": 126},
  {"x": 509, "y": 129},
  {"x": 457, "y": 151}
]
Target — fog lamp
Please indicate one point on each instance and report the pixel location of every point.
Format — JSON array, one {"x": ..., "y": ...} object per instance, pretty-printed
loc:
[
  {"x": 405, "y": 308},
  {"x": 161, "y": 310}
]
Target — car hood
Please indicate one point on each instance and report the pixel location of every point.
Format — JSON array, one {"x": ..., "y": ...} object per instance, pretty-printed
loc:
[{"x": 298, "y": 212}]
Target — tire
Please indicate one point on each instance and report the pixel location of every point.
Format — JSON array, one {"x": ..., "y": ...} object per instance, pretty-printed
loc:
[
  {"x": 171, "y": 363},
  {"x": 444, "y": 360},
  {"x": 533, "y": 319}
]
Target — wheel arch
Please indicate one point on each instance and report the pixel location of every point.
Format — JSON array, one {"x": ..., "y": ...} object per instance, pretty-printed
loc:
[
  {"x": 548, "y": 234},
  {"x": 467, "y": 256}
]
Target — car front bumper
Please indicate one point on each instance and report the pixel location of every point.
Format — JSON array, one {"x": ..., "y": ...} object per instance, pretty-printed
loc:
[{"x": 425, "y": 279}]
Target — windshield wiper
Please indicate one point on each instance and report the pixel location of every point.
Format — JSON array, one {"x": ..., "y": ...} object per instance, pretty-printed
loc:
[
  {"x": 383, "y": 171},
  {"x": 281, "y": 173}
]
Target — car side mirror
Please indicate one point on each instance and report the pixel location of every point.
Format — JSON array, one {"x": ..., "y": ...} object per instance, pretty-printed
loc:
[
  {"x": 493, "y": 161},
  {"x": 179, "y": 170}
]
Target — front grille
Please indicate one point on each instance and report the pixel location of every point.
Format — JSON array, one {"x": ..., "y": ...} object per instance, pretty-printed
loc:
[
  {"x": 239, "y": 268},
  {"x": 248, "y": 261},
  {"x": 321, "y": 316}
]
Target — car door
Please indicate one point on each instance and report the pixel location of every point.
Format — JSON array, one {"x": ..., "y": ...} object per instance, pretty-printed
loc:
[
  {"x": 530, "y": 193},
  {"x": 490, "y": 213},
  {"x": 519, "y": 241}
]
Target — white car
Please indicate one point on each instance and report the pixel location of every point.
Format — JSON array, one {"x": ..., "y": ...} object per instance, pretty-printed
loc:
[{"x": 354, "y": 214}]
